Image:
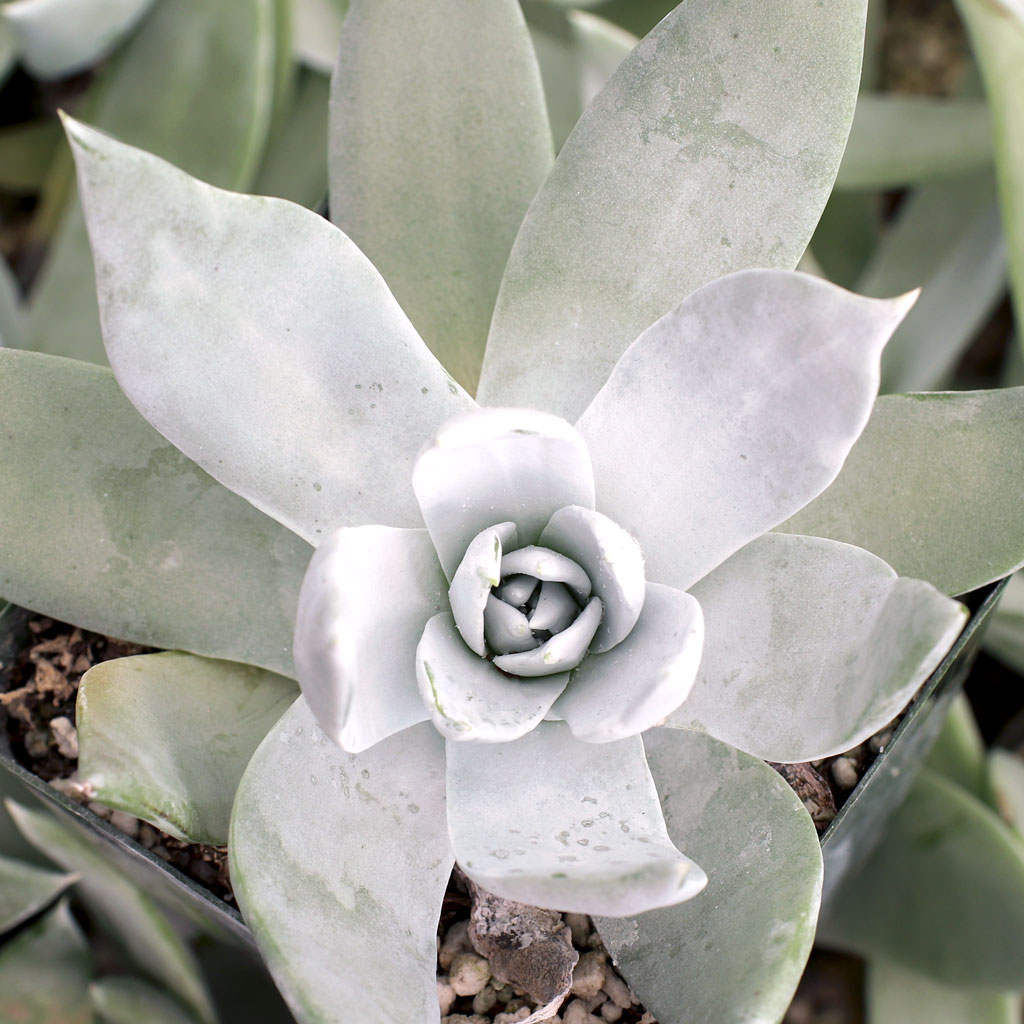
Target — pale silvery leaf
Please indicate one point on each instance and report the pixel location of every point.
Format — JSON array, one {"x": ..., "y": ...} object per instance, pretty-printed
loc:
[
  {"x": 895, "y": 995},
  {"x": 44, "y": 972},
  {"x": 167, "y": 736},
  {"x": 739, "y": 950},
  {"x": 125, "y": 911},
  {"x": 496, "y": 466},
  {"x": 105, "y": 524},
  {"x": 562, "y": 653},
  {"x": 732, "y": 412},
  {"x": 479, "y": 572},
  {"x": 344, "y": 392},
  {"x": 602, "y": 47},
  {"x": 468, "y": 698},
  {"x": 367, "y": 595},
  {"x": 560, "y": 62},
  {"x": 927, "y": 470},
  {"x": 59, "y": 37},
  {"x": 25, "y": 890},
  {"x": 555, "y": 822},
  {"x": 902, "y": 140},
  {"x": 712, "y": 149},
  {"x": 641, "y": 680},
  {"x": 997, "y": 36},
  {"x": 439, "y": 139},
  {"x": 613, "y": 562},
  {"x": 1006, "y": 770},
  {"x": 943, "y": 894},
  {"x": 330, "y": 914},
  {"x": 159, "y": 94},
  {"x": 811, "y": 647},
  {"x": 947, "y": 238},
  {"x": 131, "y": 1001}
]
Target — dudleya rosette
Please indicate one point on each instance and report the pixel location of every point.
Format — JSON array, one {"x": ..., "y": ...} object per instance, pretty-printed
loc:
[{"x": 650, "y": 407}]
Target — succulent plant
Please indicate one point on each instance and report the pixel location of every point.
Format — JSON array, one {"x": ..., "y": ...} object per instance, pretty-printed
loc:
[{"x": 711, "y": 401}]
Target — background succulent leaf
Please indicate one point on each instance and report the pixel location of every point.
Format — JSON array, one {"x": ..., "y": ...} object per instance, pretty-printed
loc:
[
  {"x": 942, "y": 841},
  {"x": 811, "y": 647},
  {"x": 25, "y": 890},
  {"x": 496, "y": 466},
  {"x": 1004, "y": 638},
  {"x": 125, "y": 911},
  {"x": 933, "y": 486},
  {"x": 728, "y": 115},
  {"x": 632, "y": 687},
  {"x": 44, "y": 972},
  {"x": 373, "y": 904},
  {"x": 8, "y": 50},
  {"x": 895, "y": 995},
  {"x": 947, "y": 238},
  {"x": 294, "y": 165},
  {"x": 316, "y": 29},
  {"x": 56, "y": 38},
  {"x": 167, "y": 736},
  {"x": 105, "y": 524},
  {"x": 344, "y": 391},
  {"x": 367, "y": 595},
  {"x": 762, "y": 375},
  {"x": 439, "y": 139},
  {"x": 958, "y": 753},
  {"x": 739, "y": 948},
  {"x": 997, "y": 37},
  {"x": 131, "y": 1001},
  {"x": 898, "y": 140},
  {"x": 12, "y": 326},
  {"x": 556, "y": 822},
  {"x": 195, "y": 85},
  {"x": 1007, "y": 781}
]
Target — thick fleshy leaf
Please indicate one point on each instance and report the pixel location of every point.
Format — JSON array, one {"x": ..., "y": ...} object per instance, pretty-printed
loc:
[
  {"x": 131, "y": 1001},
  {"x": 643, "y": 679},
  {"x": 811, "y": 647},
  {"x": 943, "y": 894},
  {"x": 479, "y": 572},
  {"x": 712, "y": 149},
  {"x": 1006, "y": 771},
  {"x": 25, "y": 890},
  {"x": 903, "y": 140},
  {"x": 959, "y": 751},
  {"x": 946, "y": 237},
  {"x": 321, "y": 429},
  {"x": 195, "y": 85},
  {"x": 732, "y": 412},
  {"x": 559, "y": 823},
  {"x": 738, "y": 949},
  {"x": 997, "y": 35},
  {"x": 44, "y": 973},
  {"x": 59, "y": 37},
  {"x": 560, "y": 62},
  {"x": 562, "y": 653},
  {"x": 468, "y": 698},
  {"x": 933, "y": 486},
  {"x": 602, "y": 47},
  {"x": 104, "y": 524},
  {"x": 367, "y": 595},
  {"x": 613, "y": 562},
  {"x": 499, "y": 465},
  {"x": 125, "y": 911},
  {"x": 439, "y": 139},
  {"x": 1004, "y": 638},
  {"x": 167, "y": 736},
  {"x": 294, "y": 163},
  {"x": 895, "y": 995},
  {"x": 340, "y": 862}
]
